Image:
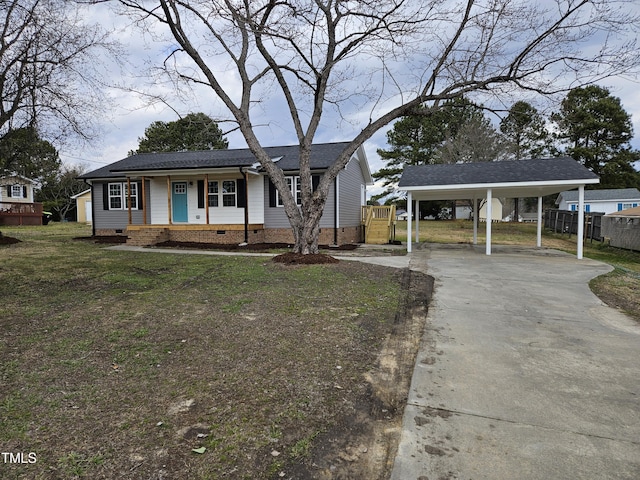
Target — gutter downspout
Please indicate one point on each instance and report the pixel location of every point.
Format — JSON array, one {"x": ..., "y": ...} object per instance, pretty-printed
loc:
[
  {"x": 93, "y": 210},
  {"x": 246, "y": 204},
  {"x": 335, "y": 211}
]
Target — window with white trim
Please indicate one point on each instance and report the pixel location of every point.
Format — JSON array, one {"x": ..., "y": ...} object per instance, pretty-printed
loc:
[
  {"x": 222, "y": 193},
  {"x": 294, "y": 187},
  {"x": 16, "y": 191},
  {"x": 119, "y": 198},
  {"x": 587, "y": 207}
]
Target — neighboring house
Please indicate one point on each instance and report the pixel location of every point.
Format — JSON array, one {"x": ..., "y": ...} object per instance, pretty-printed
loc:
[
  {"x": 16, "y": 201},
  {"x": 221, "y": 196},
  {"x": 84, "y": 206},
  {"x": 607, "y": 201}
]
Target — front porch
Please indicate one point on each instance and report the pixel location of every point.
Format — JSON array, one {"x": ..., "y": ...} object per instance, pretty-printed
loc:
[{"x": 20, "y": 213}]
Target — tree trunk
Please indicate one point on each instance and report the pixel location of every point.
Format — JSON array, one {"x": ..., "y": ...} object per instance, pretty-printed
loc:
[{"x": 307, "y": 233}]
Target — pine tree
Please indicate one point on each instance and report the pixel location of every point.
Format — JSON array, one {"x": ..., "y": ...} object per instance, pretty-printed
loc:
[{"x": 596, "y": 131}]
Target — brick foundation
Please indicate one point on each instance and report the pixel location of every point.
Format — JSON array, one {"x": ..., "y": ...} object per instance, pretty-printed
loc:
[
  {"x": 327, "y": 237},
  {"x": 151, "y": 236},
  {"x": 216, "y": 236},
  {"x": 110, "y": 232}
]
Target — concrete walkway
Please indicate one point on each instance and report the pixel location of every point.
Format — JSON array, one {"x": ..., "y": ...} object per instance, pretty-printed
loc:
[{"x": 523, "y": 372}]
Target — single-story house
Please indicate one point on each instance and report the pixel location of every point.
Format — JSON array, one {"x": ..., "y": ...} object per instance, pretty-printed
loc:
[
  {"x": 606, "y": 201},
  {"x": 17, "y": 206},
  {"x": 221, "y": 196},
  {"x": 83, "y": 206}
]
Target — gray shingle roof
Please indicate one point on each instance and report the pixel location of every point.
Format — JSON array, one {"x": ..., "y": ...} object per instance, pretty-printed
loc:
[
  {"x": 603, "y": 195},
  {"x": 534, "y": 170},
  {"x": 322, "y": 156}
]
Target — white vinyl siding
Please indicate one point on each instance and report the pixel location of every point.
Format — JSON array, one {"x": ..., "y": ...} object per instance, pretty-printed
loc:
[{"x": 227, "y": 191}]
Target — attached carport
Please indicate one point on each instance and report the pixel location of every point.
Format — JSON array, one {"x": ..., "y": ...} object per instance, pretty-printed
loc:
[{"x": 510, "y": 179}]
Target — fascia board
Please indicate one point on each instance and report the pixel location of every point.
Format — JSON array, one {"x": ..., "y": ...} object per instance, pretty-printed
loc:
[
  {"x": 498, "y": 186},
  {"x": 185, "y": 172}
]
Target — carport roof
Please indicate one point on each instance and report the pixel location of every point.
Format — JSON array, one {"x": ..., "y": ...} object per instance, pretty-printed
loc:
[{"x": 510, "y": 179}]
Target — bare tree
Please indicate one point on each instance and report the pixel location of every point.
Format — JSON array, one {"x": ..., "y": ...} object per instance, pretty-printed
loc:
[
  {"x": 57, "y": 191},
  {"x": 388, "y": 58},
  {"x": 475, "y": 141},
  {"x": 47, "y": 59}
]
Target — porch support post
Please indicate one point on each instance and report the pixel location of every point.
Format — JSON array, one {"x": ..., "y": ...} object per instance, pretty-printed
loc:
[
  {"x": 169, "y": 199},
  {"x": 144, "y": 201},
  {"x": 206, "y": 197},
  {"x": 489, "y": 220},
  {"x": 539, "y": 237},
  {"x": 246, "y": 206},
  {"x": 580, "y": 220},
  {"x": 417, "y": 221},
  {"x": 409, "y": 213},
  {"x": 129, "y": 199},
  {"x": 475, "y": 221}
]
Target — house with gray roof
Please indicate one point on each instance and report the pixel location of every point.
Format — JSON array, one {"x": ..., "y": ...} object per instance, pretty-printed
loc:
[
  {"x": 221, "y": 196},
  {"x": 606, "y": 200}
]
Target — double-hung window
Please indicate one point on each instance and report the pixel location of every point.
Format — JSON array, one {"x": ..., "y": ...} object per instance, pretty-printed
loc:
[
  {"x": 119, "y": 196},
  {"x": 222, "y": 193},
  {"x": 294, "y": 187},
  {"x": 16, "y": 190}
]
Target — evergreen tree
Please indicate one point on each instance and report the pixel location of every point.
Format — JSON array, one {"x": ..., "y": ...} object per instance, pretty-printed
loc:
[
  {"x": 595, "y": 130},
  {"x": 476, "y": 140},
  {"x": 419, "y": 139},
  {"x": 524, "y": 131},
  {"x": 456, "y": 132},
  {"x": 195, "y": 131},
  {"x": 22, "y": 151}
]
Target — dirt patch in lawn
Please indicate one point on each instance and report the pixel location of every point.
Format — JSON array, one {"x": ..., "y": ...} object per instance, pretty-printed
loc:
[
  {"x": 300, "y": 259},
  {"x": 364, "y": 444},
  {"x": 104, "y": 239},
  {"x": 4, "y": 240},
  {"x": 249, "y": 247}
]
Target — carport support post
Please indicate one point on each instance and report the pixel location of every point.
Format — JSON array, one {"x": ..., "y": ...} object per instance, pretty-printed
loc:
[
  {"x": 580, "y": 220},
  {"x": 417, "y": 221},
  {"x": 539, "y": 237},
  {"x": 409, "y": 205},
  {"x": 489, "y": 220},
  {"x": 475, "y": 221}
]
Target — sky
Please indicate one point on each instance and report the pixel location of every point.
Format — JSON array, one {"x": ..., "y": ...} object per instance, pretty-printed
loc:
[{"x": 128, "y": 114}]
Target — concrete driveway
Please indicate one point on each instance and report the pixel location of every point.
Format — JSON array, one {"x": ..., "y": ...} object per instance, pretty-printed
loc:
[{"x": 523, "y": 372}]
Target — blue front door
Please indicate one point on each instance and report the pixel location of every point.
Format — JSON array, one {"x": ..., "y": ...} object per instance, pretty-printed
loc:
[{"x": 179, "y": 212}]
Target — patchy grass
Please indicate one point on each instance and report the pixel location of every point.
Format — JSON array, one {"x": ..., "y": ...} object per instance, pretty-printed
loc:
[{"x": 124, "y": 365}]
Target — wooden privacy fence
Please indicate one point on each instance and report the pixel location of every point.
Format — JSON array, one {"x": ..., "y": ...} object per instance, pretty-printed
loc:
[
  {"x": 14, "y": 213},
  {"x": 566, "y": 221}
]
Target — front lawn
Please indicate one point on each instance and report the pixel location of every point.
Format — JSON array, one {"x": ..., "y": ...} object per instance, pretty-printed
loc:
[{"x": 127, "y": 365}]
